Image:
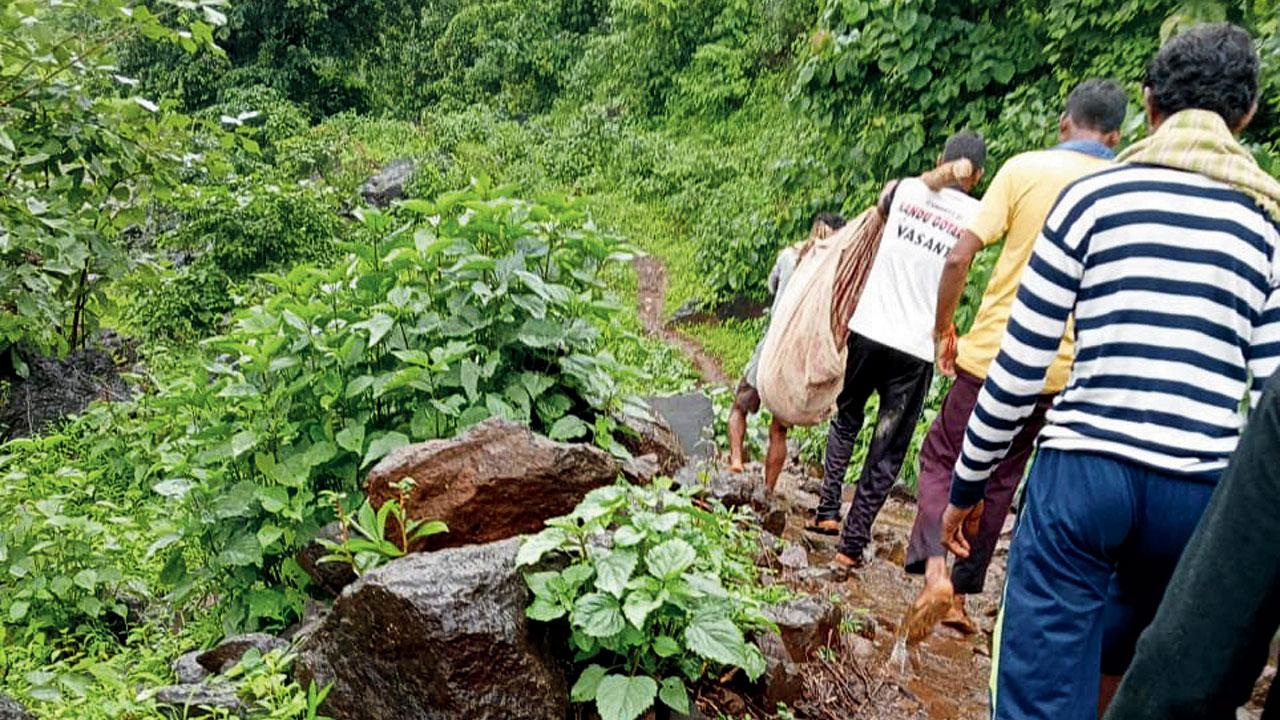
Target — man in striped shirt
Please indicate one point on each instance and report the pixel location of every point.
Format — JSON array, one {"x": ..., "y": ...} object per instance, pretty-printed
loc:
[{"x": 1170, "y": 266}]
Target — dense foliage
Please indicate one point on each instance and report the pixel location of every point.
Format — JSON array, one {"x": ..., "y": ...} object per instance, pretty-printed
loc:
[{"x": 188, "y": 172}]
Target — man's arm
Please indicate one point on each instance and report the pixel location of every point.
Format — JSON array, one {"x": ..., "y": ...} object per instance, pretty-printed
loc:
[
  {"x": 950, "y": 289},
  {"x": 1037, "y": 322}
]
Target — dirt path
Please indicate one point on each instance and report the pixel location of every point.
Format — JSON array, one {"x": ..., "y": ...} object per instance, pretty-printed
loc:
[
  {"x": 945, "y": 677},
  {"x": 651, "y": 296}
]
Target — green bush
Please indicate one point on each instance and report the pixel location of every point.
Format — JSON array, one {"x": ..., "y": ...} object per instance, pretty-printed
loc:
[{"x": 657, "y": 592}]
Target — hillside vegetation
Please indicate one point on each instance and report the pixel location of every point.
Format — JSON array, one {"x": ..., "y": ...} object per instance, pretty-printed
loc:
[{"x": 187, "y": 175}]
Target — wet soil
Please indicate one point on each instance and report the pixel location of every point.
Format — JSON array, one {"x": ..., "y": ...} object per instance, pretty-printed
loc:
[
  {"x": 56, "y": 388},
  {"x": 651, "y": 295}
]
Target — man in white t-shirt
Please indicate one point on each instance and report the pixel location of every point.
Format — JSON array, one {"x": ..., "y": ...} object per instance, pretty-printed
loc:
[{"x": 891, "y": 345}]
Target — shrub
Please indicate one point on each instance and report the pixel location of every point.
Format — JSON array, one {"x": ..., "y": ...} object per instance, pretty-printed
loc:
[{"x": 656, "y": 592}]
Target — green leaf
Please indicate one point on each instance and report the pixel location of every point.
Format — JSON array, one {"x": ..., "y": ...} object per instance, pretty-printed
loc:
[
  {"x": 613, "y": 570},
  {"x": 470, "y": 373},
  {"x": 619, "y": 697},
  {"x": 637, "y": 607},
  {"x": 351, "y": 437},
  {"x": 626, "y": 536},
  {"x": 669, "y": 559},
  {"x": 540, "y": 333},
  {"x": 715, "y": 637},
  {"x": 544, "y": 611},
  {"x": 273, "y": 498},
  {"x": 568, "y": 427},
  {"x": 86, "y": 579},
  {"x": 665, "y": 646},
  {"x": 18, "y": 610},
  {"x": 243, "y": 550},
  {"x": 378, "y": 326},
  {"x": 536, "y": 546},
  {"x": 598, "y": 615},
  {"x": 584, "y": 690},
  {"x": 674, "y": 695},
  {"x": 242, "y": 442},
  {"x": 383, "y": 445}
]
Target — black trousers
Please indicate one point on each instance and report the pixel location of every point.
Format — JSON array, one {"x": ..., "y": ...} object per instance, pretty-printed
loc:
[
  {"x": 902, "y": 382},
  {"x": 1209, "y": 641}
]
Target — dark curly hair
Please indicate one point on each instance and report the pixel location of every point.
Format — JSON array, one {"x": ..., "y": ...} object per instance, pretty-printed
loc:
[{"x": 1210, "y": 67}]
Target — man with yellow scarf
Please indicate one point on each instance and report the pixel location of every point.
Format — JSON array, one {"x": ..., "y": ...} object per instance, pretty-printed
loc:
[{"x": 1170, "y": 264}]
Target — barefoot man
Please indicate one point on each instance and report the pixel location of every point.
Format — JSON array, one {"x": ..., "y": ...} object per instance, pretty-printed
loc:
[
  {"x": 1014, "y": 208},
  {"x": 891, "y": 342},
  {"x": 746, "y": 399}
]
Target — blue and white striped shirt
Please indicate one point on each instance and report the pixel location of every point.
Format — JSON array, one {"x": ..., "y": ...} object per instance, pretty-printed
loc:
[{"x": 1174, "y": 281}]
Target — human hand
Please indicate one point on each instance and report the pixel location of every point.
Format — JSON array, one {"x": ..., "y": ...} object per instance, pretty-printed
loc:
[
  {"x": 958, "y": 525},
  {"x": 946, "y": 347}
]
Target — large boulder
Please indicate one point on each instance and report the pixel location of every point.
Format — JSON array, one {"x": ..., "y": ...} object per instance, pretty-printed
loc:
[
  {"x": 495, "y": 481},
  {"x": 437, "y": 636},
  {"x": 692, "y": 418}
]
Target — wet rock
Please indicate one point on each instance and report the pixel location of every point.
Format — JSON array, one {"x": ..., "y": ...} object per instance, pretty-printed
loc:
[
  {"x": 690, "y": 311},
  {"x": 735, "y": 490},
  {"x": 645, "y": 432},
  {"x": 11, "y": 709},
  {"x": 794, "y": 557},
  {"x": 806, "y": 625},
  {"x": 327, "y": 578},
  {"x": 692, "y": 418},
  {"x": 783, "y": 680},
  {"x": 389, "y": 184},
  {"x": 440, "y": 635},
  {"x": 774, "y": 518},
  {"x": 188, "y": 670},
  {"x": 228, "y": 652},
  {"x": 822, "y": 575},
  {"x": 198, "y": 700},
  {"x": 55, "y": 389},
  {"x": 740, "y": 307},
  {"x": 641, "y": 470},
  {"x": 495, "y": 481}
]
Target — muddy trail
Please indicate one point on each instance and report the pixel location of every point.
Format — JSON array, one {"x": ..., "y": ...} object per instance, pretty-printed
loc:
[
  {"x": 942, "y": 678},
  {"x": 651, "y": 297}
]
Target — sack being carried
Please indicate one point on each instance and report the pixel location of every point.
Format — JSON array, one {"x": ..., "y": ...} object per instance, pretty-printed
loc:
[{"x": 802, "y": 361}]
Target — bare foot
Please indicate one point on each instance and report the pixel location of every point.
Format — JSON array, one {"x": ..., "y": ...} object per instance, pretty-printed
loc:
[
  {"x": 928, "y": 610},
  {"x": 957, "y": 619}
]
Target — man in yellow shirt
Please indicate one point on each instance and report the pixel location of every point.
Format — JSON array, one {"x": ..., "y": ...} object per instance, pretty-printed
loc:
[{"x": 1014, "y": 208}]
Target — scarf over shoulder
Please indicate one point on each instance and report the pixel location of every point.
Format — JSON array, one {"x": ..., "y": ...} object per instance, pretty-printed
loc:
[{"x": 1199, "y": 141}]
